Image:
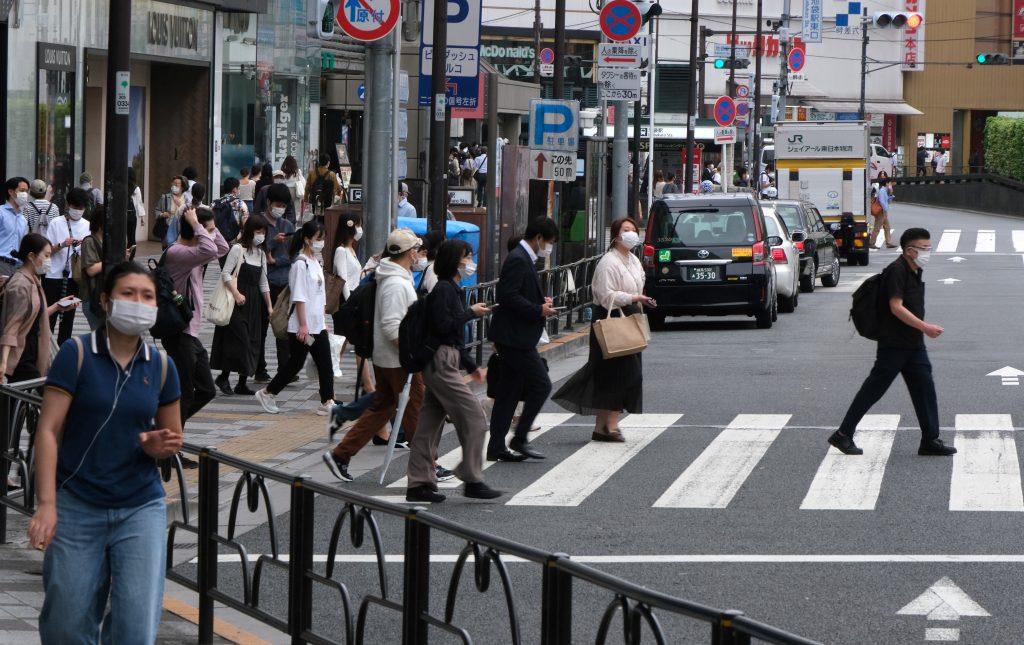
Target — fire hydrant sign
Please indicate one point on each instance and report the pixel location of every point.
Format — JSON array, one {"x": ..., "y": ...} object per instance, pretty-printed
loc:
[
  {"x": 552, "y": 166},
  {"x": 368, "y": 20}
]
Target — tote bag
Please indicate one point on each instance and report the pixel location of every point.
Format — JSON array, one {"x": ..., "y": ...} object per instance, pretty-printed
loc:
[
  {"x": 622, "y": 336},
  {"x": 222, "y": 303}
]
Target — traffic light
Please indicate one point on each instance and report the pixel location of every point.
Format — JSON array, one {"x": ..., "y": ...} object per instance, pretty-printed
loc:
[
  {"x": 897, "y": 20},
  {"x": 648, "y": 9},
  {"x": 322, "y": 14},
  {"x": 732, "y": 63},
  {"x": 992, "y": 59}
]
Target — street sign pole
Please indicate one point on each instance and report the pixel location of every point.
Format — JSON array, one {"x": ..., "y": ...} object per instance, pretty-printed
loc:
[
  {"x": 379, "y": 187},
  {"x": 115, "y": 153},
  {"x": 784, "y": 57},
  {"x": 439, "y": 69},
  {"x": 756, "y": 116},
  {"x": 691, "y": 111}
]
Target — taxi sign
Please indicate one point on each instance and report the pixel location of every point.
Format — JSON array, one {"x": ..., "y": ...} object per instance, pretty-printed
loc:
[{"x": 742, "y": 252}]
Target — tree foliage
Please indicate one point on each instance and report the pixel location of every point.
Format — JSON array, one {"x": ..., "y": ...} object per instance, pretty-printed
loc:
[{"x": 1004, "y": 146}]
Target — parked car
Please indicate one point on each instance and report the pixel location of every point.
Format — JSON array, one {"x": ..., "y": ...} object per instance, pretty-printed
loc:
[
  {"x": 819, "y": 253},
  {"x": 787, "y": 263},
  {"x": 710, "y": 255}
]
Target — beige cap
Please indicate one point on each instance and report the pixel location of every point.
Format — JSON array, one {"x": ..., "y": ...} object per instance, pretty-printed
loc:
[
  {"x": 278, "y": 173},
  {"x": 37, "y": 188},
  {"x": 401, "y": 240}
]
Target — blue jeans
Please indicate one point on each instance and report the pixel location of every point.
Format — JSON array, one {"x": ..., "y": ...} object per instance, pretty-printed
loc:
[{"x": 99, "y": 553}]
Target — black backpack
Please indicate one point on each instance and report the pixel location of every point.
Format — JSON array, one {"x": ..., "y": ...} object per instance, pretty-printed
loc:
[
  {"x": 414, "y": 351},
  {"x": 867, "y": 310},
  {"x": 173, "y": 310},
  {"x": 322, "y": 191},
  {"x": 355, "y": 317},
  {"x": 224, "y": 218}
]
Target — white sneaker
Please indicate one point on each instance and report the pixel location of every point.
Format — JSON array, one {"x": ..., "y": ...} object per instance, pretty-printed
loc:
[
  {"x": 267, "y": 400},
  {"x": 325, "y": 408}
]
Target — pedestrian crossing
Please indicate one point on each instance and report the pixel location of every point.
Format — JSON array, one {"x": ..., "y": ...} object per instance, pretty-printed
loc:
[
  {"x": 981, "y": 241},
  {"x": 984, "y": 475}
]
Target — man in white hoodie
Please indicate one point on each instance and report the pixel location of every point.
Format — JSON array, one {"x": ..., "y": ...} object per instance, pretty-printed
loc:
[{"x": 395, "y": 293}]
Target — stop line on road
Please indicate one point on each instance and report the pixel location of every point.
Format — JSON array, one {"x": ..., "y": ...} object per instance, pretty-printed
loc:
[{"x": 985, "y": 474}]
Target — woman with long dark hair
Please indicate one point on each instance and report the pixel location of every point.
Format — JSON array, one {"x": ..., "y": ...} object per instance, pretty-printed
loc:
[
  {"x": 295, "y": 182},
  {"x": 236, "y": 346},
  {"x": 307, "y": 325}
]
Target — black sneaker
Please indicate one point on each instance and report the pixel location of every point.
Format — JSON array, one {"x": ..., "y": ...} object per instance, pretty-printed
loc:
[
  {"x": 262, "y": 377},
  {"x": 337, "y": 467},
  {"x": 223, "y": 385},
  {"x": 844, "y": 444},
  {"x": 399, "y": 443},
  {"x": 937, "y": 448},
  {"x": 188, "y": 464},
  {"x": 480, "y": 490},
  {"x": 423, "y": 494},
  {"x": 443, "y": 474}
]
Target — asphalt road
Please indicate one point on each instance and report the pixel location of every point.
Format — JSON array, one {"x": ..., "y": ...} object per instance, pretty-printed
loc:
[{"x": 727, "y": 494}]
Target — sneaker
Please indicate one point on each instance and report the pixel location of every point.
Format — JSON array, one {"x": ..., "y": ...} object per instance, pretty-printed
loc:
[
  {"x": 325, "y": 409},
  {"x": 443, "y": 474},
  {"x": 844, "y": 444},
  {"x": 267, "y": 400},
  {"x": 936, "y": 447},
  {"x": 334, "y": 424},
  {"x": 399, "y": 443},
  {"x": 423, "y": 494},
  {"x": 262, "y": 377},
  {"x": 480, "y": 490},
  {"x": 337, "y": 467}
]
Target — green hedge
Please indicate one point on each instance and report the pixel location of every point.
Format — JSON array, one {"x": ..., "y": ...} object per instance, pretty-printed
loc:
[{"x": 1004, "y": 146}]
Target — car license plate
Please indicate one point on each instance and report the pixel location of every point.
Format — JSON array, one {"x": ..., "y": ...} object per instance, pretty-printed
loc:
[{"x": 703, "y": 274}]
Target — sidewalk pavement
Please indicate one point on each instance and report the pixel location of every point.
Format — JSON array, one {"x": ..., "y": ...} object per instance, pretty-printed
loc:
[{"x": 291, "y": 441}]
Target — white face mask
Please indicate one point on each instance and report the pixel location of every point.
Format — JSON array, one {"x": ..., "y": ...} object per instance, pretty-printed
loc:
[
  {"x": 130, "y": 317},
  {"x": 175, "y": 190},
  {"x": 923, "y": 257},
  {"x": 467, "y": 269},
  {"x": 277, "y": 211},
  {"x": 21, "y": 199},
  {"x": 317, "y": 246},
  {"x": 630, "y": 239},
  {"x": 86, "y": 186},
  {"x": 545, "y": 250},
  {"x": 75, "y": 213},
  {"x": 44, "y": 268},
  {"x": 259, "y": 239},
  {"x": 359, "y": 234},
  {"x": 420, "y": 264}
]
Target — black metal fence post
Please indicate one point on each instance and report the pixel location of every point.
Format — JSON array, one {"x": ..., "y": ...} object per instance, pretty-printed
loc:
[
  {"x": 416, "y": 591},
  {"x": 722, "y": 632},
  {"x": 300, "y": 593},
  {"x": 556, "y": 603},
  {"x": 206, "y": 576},
  {"x": 5, "y": 436}
]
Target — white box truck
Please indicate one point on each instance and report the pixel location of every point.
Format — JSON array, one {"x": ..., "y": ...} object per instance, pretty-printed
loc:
[{"x": 826, "y": 163}]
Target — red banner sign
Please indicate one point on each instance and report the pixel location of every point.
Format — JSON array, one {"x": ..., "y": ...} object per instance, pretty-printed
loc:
[
  {"x": 889, "y": 133},
  {"x": 1018, "y": 19}
]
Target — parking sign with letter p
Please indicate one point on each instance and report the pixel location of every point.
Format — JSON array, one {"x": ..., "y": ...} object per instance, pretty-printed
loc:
[{"x": 554, "y": 125}]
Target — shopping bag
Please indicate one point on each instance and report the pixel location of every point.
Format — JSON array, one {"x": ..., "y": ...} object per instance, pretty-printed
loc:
[
  {"x": 222, "y": 303},
  {"x": 622, "y": 336},
  {"x": 336, "y": 344}
]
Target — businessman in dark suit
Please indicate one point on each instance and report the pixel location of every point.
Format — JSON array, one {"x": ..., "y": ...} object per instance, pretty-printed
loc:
[{"x": 516, "y": 326}]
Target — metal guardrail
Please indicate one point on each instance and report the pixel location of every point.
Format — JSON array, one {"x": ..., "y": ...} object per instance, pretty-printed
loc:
[
  {"x": 910, "y": 180},
  {"x": 636, "y": 606}
]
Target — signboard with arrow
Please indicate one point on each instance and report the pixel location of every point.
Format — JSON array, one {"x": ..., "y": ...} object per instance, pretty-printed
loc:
[{"x": 552, "y": 166}]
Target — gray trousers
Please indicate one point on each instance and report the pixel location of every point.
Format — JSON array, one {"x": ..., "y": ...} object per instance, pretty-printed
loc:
[{"x": 447, "y": 392}]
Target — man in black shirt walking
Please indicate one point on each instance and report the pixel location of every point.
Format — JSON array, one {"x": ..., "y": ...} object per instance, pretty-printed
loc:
[{"x": 901, "y": 350}]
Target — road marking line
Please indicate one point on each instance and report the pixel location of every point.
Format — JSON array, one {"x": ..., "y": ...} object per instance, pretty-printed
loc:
[
  {"x": 852, "y": 483},
  {"x": 1018, "y": 241},
  {"x": 942, "y": 633},
  {"x": 575, "y": 478},
  {"x": 949, "y": 241},
  {"x": 986, "y": 472},
  {"x": 986, "y": 242},
  {"x": 717, "y": 474},
  {"x": 717, "y": 558},
  {"x": 546, "y": 421}
]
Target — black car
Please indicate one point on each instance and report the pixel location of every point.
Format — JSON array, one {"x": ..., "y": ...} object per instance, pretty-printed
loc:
[
  {"x": 819, "y": 253},
  {"x": 710, "y": 255}
]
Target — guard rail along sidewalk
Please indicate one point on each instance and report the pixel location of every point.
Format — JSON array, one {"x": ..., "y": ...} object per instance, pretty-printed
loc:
[{"x": 620, "y": 605}]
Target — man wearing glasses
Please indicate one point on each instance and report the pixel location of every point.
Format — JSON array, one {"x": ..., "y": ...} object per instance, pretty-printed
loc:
[{"x": 901, "y": 350}]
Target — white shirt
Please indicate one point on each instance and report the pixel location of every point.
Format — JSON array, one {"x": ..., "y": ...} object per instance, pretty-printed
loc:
[
  {"x": 56, "y": 233},
  {"x": 529, "y": 250},
  {"x": 480, "y": 163},
  {"x": 940, "y": 163},
  {"x": 346, "y": 266},
  {"x": 617, "y": 279},
  {"x": 306, "y": 280},
  {"x": 429, "y": 279}
]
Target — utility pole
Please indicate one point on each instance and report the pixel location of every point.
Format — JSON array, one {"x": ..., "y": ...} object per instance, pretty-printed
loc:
[
  {"x": 652, "y": 30},
  {"x": 438, "y": 80},
  {"x": 537, "y": 27},
  {"x": 702, "y": 84},
  {"x": 784, "y": 67},
  {"x": 755, "y": 118},
  {"x": 558, "y": 93},
  {"x": 620, "y": 160},
  {"x": 379, "y": 186},
  {"x": 115, "y": 153},
  {"x": 730, "y": 88},
  {"x": 863, "y": 60},
  {"x": 691, "y": 111}
]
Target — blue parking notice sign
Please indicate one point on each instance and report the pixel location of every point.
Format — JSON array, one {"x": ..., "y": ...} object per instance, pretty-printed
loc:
[{"x": 554, "y": 125}]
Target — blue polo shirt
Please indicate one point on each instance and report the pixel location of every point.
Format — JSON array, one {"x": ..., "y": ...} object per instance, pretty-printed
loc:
[
  {"x": 13, "y": 227},
  {"x": 114, "y": 472}
]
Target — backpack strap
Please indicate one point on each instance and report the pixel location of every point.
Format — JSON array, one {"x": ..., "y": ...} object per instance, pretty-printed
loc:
[
  {"x": 163, "y": 367},
  {"x": 81, "y": 354}
]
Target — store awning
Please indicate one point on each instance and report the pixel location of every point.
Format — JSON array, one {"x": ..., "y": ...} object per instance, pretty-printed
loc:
[{"x": 871, "y": 107}]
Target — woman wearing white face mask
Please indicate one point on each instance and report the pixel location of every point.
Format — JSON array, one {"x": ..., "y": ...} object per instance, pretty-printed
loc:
[
  {"x": 236, "y": 346},
  {"x": 606, "y": 387},
  {"x": 101, "y": 516},
  {"x": 167, "y": 209},
  {"x": 347, "y": 267},
  {"x": 65, "y": 235},
  {"x": 25, "y": 338},
  {"x": 307, "y": 325}
]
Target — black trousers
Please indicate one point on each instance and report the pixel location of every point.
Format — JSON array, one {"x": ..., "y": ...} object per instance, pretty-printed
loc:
[
  {"x": 522, "y": 374},
  {"x": 282, "y": 345},
  {"x": 52, "y": 288},
  {"x": 321, "y": 352},
  {"x": 193, "y": 364},
  {"x": 916, "y": 369}
]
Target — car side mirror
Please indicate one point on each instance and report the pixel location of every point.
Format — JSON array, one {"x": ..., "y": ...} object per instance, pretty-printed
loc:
[
  {"x": 774, "y": 240},
  {"x": 798, "y": 235}
]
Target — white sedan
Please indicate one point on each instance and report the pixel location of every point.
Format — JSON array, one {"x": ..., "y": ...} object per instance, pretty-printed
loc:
[{"x": 787, "y": 263}]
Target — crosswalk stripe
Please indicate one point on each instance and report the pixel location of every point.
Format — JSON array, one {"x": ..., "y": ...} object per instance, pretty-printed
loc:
[
  {"x": 575, "y": 478},
  {"x": 986, "y": 471},
  {"x": 949, "y": 241},
  {"x": 852, "y": 483},
  {"x": 717, "y": 474},
  {"x": 986, "y": 242},
  {"x": 1018, "y": 241},
  {"x": 546, "y": 421}
]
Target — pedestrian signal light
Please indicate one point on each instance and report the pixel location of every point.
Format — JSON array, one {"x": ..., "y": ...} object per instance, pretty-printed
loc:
[{"x": 897, "y": 20}]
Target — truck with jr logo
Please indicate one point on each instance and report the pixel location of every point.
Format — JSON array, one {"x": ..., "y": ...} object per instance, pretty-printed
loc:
[{"x": 826, "y": 163}]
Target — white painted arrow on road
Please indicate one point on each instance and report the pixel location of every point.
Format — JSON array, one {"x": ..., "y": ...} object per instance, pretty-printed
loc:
[
  {"x": 1009, "y": 375},
  {"x": 948, "y": 280},
  {"x": 943, "y": 601},
  {"x": 956, "y": 259}
]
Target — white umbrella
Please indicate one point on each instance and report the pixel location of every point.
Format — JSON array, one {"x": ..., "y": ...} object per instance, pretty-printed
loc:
[{"x": 403, "y": 400}]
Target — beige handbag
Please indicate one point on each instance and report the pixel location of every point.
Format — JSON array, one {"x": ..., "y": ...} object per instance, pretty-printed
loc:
[
  {"x": 222, "y": 303},
  {"x": 622, "y": 336}
]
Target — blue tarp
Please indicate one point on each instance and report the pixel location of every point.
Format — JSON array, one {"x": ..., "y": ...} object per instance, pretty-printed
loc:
[{"x": 453, "y": 231}]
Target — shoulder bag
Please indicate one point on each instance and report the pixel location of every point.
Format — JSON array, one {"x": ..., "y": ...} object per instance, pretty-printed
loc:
[
  {"x": 623, "y": 335},
  {"x": 222, "y": 302},
  {"x": 334, "y": 287}
]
